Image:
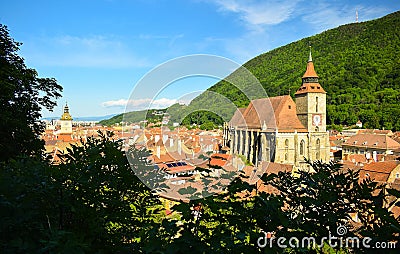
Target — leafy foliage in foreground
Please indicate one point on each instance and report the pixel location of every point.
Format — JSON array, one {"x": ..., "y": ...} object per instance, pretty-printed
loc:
[
  {"x": 92, "y": 202},
  {"x": 308, "y": 205},
  {"x": 23, "y": 95}
]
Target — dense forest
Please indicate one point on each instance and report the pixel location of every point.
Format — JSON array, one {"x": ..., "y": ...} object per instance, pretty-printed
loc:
[{"x": 358, "y": 66}]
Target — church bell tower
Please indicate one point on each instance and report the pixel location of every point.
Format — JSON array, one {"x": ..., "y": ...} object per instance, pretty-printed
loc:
[
  {"x": 65, "y": 132},
  {"x": 311, "y": 100}
]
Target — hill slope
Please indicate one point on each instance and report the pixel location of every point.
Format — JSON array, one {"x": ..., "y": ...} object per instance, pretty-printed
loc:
[{"x": 358, "y": 65}]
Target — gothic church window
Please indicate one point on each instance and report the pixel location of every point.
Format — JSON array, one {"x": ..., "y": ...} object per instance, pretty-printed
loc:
[
  {"x": 286, "y": 149},
  {"x": 318, "y": 148},
  {"x": 302, "y": 143}
]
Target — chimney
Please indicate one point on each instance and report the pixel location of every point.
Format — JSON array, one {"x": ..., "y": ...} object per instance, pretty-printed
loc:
[{"x": 375, "y": 156}]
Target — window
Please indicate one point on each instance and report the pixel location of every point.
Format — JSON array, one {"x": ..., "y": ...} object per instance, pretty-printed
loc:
[
  {"x": 316, "y": 105},
  {"x": 302, "y": 143},
  {"x": 286, "y": 149},
  {"x": 397, "y": 175},
  {"x": 318, "y": 149},
  {"x": 290, "y": 106}
]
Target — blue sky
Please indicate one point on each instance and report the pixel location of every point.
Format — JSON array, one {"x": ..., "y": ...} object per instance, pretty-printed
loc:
[{"x": 99, "y": 49}]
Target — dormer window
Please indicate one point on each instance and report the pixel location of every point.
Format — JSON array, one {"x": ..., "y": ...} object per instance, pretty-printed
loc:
[{"x": 367, "y": 174}]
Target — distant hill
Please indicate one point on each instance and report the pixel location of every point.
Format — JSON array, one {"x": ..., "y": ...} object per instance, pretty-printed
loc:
[
  {"x": 83, "y": 118},
  {"x": 358, "y": 65},
  {"x": 151, "y": 115}
]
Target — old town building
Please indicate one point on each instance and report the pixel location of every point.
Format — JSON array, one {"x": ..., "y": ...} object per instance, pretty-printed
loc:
[
  {"x": 65, "y": 132},
  {"x": 278, "y": 129}
]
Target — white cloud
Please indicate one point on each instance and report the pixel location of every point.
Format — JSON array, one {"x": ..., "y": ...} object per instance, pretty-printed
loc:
[
  {"x": 137, "y": 104},
  {"x": 259, "y": 13}
]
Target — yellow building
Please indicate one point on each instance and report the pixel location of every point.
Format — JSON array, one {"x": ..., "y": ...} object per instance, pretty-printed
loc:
[
  {"x": 278, "y": 129},
  {"x": 65, "y": 132}
]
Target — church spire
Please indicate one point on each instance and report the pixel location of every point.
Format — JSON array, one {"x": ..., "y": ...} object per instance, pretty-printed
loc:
[
  {"x": 310, "y": 81},
  {"x": 310, "y": 76},
  {"x": 66, "y": 115}
]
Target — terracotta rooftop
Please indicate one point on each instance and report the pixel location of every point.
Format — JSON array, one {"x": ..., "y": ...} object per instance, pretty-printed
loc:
[
  {"x": 310, "y": 71},
  {"x": 372, "y": 141},
  {"x": 310, "y": 88},
  {"x": 310, "y": 80},
  {"x": 238, "y": 118},
  {"x": 271, "y": 114},
  {"x": 381, "y": 166},
  {"x": 375, "y": 131}
]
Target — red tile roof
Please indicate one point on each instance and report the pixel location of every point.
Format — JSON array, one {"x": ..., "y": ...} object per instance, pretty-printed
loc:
[
  {"x": 372, "y": 141},
  {"x": 270, "y": 114},
  {"x": 310, "y": 71},
  {"x": 381, "y": 166},
  {"x": 310, "y": 87}
]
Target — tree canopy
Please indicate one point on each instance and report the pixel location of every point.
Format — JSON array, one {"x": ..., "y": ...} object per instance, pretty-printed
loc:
[{"x": 23, "y": 95}]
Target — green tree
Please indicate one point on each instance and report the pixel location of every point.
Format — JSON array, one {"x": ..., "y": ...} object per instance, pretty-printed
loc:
[
  {"x": 318, "y": 201},
  {"x": 23, "y": 95},
  {"x": 310, "y": 204},
  {"x": 90, "y": 203}
]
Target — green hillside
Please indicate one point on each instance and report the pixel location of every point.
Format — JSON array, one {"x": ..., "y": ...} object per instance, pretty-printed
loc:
[
  {"x": 135, "y": 117},
  {"x": 358, "y": 65}
]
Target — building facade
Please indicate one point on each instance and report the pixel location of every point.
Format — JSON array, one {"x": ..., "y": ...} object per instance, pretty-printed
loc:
[
  {"x": 278, "y": 129},
  {"x": 65, "y": 132}
]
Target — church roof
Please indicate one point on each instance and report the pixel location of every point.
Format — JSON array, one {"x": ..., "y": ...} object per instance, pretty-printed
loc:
[
  {"x": 310, "y": 88},
  {"x": 269, "y": 114},
  {"x": 310, "y": 80},
  {"x": 237, "y": 118},
  {"x": 310, "y": 71}
]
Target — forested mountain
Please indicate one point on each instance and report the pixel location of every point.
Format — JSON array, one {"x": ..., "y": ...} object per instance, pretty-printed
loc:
[{"x": 358, "y": 65}]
